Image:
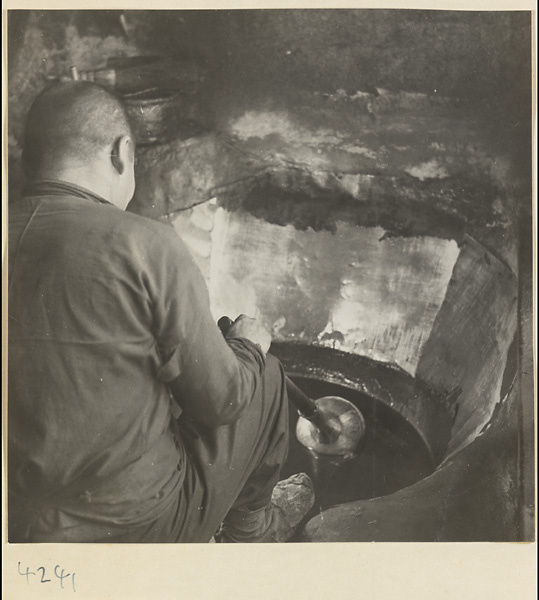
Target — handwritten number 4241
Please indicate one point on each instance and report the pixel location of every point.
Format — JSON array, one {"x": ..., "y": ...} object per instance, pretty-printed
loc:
[{"x": 59, "y": 575}]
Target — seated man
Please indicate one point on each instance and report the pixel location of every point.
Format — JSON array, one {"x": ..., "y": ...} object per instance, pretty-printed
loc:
[{"x": 110, "y": 335}]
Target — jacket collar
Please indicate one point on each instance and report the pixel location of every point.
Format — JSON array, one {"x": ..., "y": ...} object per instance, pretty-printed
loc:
[{"x": 54, "y": 187}]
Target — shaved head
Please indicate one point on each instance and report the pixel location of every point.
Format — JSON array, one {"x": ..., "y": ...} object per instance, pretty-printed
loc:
[{"x": 72, "y": 123}]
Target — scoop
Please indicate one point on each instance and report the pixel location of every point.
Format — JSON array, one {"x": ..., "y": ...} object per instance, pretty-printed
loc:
[{"x": 329, "y": 426}]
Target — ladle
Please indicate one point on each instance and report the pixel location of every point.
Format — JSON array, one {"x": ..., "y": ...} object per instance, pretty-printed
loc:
[{"x": 329, "y": 425}]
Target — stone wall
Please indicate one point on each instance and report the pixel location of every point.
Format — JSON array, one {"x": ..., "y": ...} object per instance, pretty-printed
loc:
[{"x": 405, "y": 108}]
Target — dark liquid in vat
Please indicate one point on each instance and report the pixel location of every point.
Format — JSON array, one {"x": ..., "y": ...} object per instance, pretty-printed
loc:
[{"x": 392, "y": 455}]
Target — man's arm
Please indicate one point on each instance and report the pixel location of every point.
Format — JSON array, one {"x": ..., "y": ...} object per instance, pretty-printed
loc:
[{"x": 211, "y": 379}]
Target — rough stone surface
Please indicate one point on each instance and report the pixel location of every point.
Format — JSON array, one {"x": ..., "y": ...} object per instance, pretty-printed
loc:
[
  {"x": 423, "y": 115},
  {"x": 354, "y": 289},
  {"x": 436, "y": 52},
  {"x": 432, "y": 174},
  {"x": 467, "y": 351},
  {"x": 185, "y": 172}
]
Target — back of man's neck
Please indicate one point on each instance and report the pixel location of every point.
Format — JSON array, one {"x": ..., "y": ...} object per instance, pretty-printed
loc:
[{"x": 84, "y": 177}]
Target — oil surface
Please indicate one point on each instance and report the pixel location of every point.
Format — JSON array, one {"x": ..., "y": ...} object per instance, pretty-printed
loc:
[{"x": 392, "y": 455}]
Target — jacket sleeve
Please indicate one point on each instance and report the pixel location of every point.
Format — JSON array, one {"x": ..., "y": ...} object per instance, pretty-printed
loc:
[{"x": 211, "y": 378}]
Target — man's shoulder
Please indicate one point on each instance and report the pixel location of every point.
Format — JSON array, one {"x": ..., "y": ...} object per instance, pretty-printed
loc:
[
  {"x": 109, "y": 226},
  {"x": 148, "y": 236},
  {"x": 150, "y": 231},
  {"x": 128, "y": 224},
  {"x": 144, "y": 225}
]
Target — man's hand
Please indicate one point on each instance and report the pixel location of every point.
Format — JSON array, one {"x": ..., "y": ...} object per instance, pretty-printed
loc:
[{"x": 251, "y": 329}]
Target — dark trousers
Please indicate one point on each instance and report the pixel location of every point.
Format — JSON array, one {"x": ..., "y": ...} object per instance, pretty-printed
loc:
[{"x": 235, "y": 466}]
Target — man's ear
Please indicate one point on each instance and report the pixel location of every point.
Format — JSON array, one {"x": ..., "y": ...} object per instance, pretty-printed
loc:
[{"x": 122, "y": 153}]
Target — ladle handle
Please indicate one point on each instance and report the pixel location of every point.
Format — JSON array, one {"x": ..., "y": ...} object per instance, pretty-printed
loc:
[{"x": 305, "y": 406}]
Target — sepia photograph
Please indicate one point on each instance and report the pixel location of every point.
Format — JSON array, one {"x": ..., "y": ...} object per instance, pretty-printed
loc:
[{"x": 270, "y": 277}]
